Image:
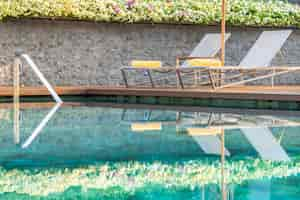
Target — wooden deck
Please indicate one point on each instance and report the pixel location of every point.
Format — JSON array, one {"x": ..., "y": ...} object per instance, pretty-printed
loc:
[{"x": 277, "y": 93}]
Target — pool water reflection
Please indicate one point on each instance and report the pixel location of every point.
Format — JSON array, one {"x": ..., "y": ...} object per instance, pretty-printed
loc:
[{"x": 94, "y": 152}]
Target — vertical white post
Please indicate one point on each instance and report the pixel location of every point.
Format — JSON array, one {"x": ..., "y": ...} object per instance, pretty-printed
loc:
[{"x": 16, "y": 75}]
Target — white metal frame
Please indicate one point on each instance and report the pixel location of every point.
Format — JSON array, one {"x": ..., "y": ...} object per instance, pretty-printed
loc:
[
  {"x": 55, "y": 96},
  {"x": 42, "y": 78}
]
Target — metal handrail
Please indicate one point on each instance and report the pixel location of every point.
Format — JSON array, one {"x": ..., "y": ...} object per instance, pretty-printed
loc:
[
  {"x": 42, "y": 78},
  {"x": 55, "y": 96}
]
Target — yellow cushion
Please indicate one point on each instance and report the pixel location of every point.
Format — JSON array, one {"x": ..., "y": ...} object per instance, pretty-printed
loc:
[
  {"x": 150, "y": 126},
  {"x": 204, "y": 62},
  {"x": 146, "y": 64},
  {"x": 204, "y": 131}
]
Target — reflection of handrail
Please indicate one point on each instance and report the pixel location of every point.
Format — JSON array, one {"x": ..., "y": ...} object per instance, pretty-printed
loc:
[
  {"x": 55, "y": 96},
  {"x": 40, "y": 127}
]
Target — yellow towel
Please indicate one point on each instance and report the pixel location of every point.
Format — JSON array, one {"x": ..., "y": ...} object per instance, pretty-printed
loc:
[
  {"x": 204, "y": 62},
  {"x": 204, "y": 131},
  {"x": 150, "y": 126},
  {"x": 151, "y": 64}
]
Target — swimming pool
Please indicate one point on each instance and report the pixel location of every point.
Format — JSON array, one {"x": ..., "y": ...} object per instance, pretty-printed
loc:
[{"x": 101, "y": 151}]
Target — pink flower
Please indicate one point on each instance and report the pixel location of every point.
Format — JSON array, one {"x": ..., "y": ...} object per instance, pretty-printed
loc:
[
  {"x": 117, "y": 9},
  {"x": 151, "y": 7},
  {"x": 130, "y": 3},
  {"x": 184, "y": 14}
]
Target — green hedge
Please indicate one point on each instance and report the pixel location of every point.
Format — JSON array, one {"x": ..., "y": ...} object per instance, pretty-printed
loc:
[{"x": 206, "y": 12}]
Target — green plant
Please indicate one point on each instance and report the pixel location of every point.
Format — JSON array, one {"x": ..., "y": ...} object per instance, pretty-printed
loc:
[{"x": 206, "y": 12}]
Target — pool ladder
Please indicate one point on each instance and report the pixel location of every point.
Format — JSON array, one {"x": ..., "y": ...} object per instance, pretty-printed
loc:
[{"x": 16, "y": 69}]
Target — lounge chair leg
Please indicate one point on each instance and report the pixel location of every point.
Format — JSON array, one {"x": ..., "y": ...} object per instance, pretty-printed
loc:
[
  {"x": 124, "y": 78},
  {"x": 178, "y": 117},
  {"x": 150, "y": 78},
  {"x": 211, "y": 79},
  {"x": 195, "y": 77},
  {"x": 220, "y": 77},
  {"x": 179, "y": 78},
  {"x": 123, "y": 114},
  {"x": 272, "y": 79}
]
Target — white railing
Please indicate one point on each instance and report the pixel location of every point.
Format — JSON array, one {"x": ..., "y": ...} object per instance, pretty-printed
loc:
[
  {"x": 51, "y": 90},
  {"x": 42, "y": 78}
]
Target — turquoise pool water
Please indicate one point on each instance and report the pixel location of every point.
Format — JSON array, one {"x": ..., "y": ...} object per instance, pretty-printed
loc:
[{"x": 100, "y": 152}]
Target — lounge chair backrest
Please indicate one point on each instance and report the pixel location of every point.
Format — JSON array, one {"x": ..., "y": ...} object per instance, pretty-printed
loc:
[
  {"x": 265, "y": 48},
  {"x": 151, "y": 64}
]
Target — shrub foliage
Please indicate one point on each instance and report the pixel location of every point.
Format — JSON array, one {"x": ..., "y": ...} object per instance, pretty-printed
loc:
[{"x": 206, "y": 12}]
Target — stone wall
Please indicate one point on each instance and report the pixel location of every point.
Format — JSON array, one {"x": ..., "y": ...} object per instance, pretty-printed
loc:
[
  {"x": 83, "y": 53},
  {"x": 6, "y": 74}
]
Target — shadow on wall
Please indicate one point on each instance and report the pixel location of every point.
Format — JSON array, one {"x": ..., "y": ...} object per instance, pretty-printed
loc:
[{"x": 5, "y": 75}]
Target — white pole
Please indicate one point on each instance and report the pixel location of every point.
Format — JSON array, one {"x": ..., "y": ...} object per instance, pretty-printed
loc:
[{"x": 42, "y": 78}]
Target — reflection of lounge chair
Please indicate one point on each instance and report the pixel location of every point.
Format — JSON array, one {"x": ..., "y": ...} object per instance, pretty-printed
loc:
[
  {"x": 147, "y": 123},
  {"x": 265, "y": 144},
  {"x": 208, "y": 139},
  {"x": 146, "y": 126},
  {"x": 150, "y": 116},
  {"x": 204, "y": 131}
]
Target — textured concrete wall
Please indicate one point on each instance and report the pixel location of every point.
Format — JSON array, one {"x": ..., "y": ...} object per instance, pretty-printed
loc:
[{"x": 81, "y": 53}]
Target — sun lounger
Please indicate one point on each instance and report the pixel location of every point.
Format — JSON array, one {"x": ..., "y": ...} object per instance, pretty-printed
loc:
[
  {"x": 145, "y": 65},
  {"x": 197, "y": 65}
]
